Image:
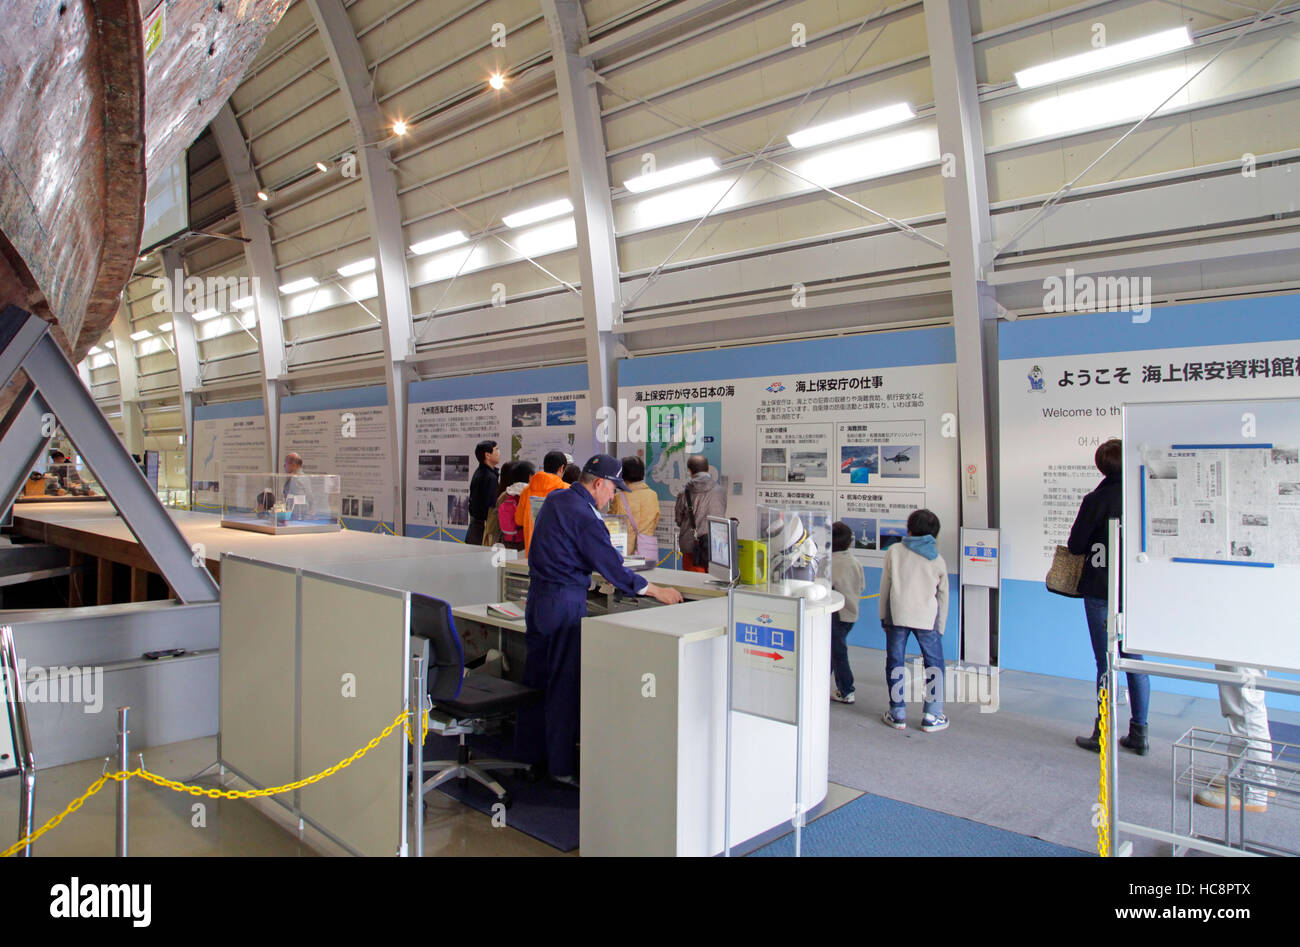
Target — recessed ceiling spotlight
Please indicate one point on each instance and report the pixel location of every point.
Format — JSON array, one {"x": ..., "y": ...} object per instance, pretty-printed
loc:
[
  {"x": 399, "y": 128},
  {"x": 497, "y": 81}
]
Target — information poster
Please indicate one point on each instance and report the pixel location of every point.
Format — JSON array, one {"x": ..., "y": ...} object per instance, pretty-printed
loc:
[
  {"x": 862, "y": 428},
  {"x": 345, "y": 433},
  {"x": 1062, "y": 386},
  {"x": 528, "y": 414},
  {"x": 228, "y": 439}
]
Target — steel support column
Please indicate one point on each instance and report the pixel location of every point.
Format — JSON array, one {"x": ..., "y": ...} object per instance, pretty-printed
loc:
[
  {"x": 961, "y": 142},
  {"x": 584, "y": 145},
  {"x": 25, "y": 343},
  {"x": 386, "y": 240},
  {"x": 260, "y": 257},
  {"x": 187, "y": 347}
]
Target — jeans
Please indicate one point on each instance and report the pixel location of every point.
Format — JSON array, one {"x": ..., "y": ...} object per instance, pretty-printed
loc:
[
  {"x": 1139, "y": 685},
  {"x": 896, "y": 674},
  {"x": 840, "y": 655}
]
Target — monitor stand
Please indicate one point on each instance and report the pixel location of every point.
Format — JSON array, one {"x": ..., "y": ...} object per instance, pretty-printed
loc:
[{"x": 722, "y": 583}]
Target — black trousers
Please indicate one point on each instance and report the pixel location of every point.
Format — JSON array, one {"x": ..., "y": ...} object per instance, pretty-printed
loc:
[{"x": 474, "y": 535}]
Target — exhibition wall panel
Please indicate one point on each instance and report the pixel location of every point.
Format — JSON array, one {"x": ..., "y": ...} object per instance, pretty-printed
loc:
[
  {"x": 345, "y": 432},
  {"x": 861, "y": 427},
  {"x": 228, "y": 439},
  {"x": 527, "y": 413},
  {"x": 1062, "y": 383}
]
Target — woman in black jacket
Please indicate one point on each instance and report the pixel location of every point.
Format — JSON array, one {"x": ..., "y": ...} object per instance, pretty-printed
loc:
[{"x": 1089, "y": 537}]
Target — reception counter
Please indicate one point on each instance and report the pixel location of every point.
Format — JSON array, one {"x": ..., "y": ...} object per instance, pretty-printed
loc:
[{"x": 653, "y": 738}]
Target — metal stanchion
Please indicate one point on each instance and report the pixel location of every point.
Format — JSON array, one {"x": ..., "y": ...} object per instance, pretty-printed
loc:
[
  {"x": 416, "y": 703},
  {"x": 123, "y": 737}
]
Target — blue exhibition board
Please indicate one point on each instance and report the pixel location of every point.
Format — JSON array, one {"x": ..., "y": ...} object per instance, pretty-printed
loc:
[
  {"x": 343, "y": 399},
  {"x": 1046, "y": 633}
]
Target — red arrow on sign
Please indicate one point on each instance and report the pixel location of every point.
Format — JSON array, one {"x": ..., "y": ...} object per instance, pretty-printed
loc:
[{"x": 764, "y": 654}]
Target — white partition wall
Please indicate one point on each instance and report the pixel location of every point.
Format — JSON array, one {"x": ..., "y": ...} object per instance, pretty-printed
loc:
[
  {"x": 354, "y": 658},
  {"x": 313, "y": 667},
  {"x": 259, "y": 644}
]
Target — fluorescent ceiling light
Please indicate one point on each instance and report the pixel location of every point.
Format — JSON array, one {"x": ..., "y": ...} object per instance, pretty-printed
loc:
[
  {"x": 438, "y": 243},
  {"x": 675, "y": 175},
  {"x": 555, "y": 236},
  {"x": 244, "y": 302},
  {"x": 142, "y": 334},
  {"x": 95, "y": 350},
  {"x": 541, "y": 212},
  {"x": 1108, "y": 57},
  {"x": 357, "y": 268},
  {"x": 858, "y": 124},
  {"x": 165, "y": 327},
  {"x": 108, "y": 344},
  {"x": 299, "y": 285},
  {"x": 203, "y": 314}
]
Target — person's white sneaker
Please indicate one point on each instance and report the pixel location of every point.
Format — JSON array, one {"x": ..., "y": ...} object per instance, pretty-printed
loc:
[{"x": 842, "y": 698}]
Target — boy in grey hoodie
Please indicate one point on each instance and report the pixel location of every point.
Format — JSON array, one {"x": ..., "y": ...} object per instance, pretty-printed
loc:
[{"x": 914, "y": 600}]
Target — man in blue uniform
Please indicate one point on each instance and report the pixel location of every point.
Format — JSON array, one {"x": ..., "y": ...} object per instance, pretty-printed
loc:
[{"x": 570, "y": 542}]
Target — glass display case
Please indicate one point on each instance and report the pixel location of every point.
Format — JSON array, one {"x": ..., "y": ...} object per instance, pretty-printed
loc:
[
  {"x": 797, "y": 550},
  {"x": 281, "y": 503},
  {"x": 619, "y": 532}
]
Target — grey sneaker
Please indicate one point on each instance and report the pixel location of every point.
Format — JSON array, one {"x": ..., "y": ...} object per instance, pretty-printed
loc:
[
  {"x": 933, "y": 722},
  {"x": 898, "y": 723},
  {"x": 842, "y": 698}
]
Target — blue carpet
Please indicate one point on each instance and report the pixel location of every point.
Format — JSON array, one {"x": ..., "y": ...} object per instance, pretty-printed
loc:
[
  {"x": 873, "y": 826},
  {"x": 1286, "y": 733},
  {"x": 546, "y": 810}
]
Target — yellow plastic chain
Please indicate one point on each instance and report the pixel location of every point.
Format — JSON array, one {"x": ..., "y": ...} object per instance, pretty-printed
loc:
[
  {"x": 176, "y": 786},
  {"x": 1103, "y": 791}
]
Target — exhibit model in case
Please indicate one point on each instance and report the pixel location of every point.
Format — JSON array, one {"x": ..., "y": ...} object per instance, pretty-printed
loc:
[
  {"x": 282, "y": 503},
  {"x": 797, "y": 544}
]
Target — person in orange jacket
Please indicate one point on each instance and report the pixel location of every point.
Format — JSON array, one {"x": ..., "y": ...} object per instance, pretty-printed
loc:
[{"x": 539, "y": 486}]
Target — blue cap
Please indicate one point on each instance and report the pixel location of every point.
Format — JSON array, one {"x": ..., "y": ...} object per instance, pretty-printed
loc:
[{"x": 608, "y": 468}]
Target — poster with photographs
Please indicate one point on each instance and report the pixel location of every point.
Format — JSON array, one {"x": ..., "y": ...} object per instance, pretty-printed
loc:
[
  {"x": 345, "y": 433},
  {"x": 795, "y": 453},
  {"x": 228, "y": 439},
  {"x": 525, "y": 419},
  {"x": 881, "y": 452},
  {"x": 878, "y": 519}
]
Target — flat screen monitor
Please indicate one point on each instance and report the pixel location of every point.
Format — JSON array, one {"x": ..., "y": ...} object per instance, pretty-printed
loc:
[{"x": 724, "y": 562}]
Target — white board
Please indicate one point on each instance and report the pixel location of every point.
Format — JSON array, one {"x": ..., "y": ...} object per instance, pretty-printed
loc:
[{"x": 1212, "y": 531}]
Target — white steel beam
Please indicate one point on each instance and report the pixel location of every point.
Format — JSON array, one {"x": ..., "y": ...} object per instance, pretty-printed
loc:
[
  {"x": 584, "y": 144},
  {"x": 387, "y": 244},
  {"x": 260, "y": 256},
  {"x": 187, "y": 349},
  {"x": 643, "y": 29},
  {"x": 957, "y": 108}
]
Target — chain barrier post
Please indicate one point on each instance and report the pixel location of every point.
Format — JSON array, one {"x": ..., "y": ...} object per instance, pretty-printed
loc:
[
  {"x": 123, "y": 738},
  {"x": 416, "y": 753}
]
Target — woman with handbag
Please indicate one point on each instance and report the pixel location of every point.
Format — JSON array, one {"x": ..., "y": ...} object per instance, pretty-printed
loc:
[
  {"x": 1089, "y": 538},
  {"x": 641, "y": 506}
]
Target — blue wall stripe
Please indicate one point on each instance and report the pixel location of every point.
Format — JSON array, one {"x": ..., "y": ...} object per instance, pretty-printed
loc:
[
  {"x": 501, "y": 384},
  {"x": 1268, "y": 319},
  {"x": 370, "y": 397},
  {"x": 849, "y": 353},
  {"x": 231, "y": 409}
]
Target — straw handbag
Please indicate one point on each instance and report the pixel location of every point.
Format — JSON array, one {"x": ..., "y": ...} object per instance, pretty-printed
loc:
[{"x": 1066, "y": 573}]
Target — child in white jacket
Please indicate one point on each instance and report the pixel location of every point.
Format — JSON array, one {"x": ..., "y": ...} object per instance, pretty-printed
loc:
[{"x": 914, "y": 600}]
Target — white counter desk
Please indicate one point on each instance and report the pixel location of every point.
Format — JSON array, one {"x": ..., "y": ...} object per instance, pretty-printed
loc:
[{"x": 653, "y": 772}]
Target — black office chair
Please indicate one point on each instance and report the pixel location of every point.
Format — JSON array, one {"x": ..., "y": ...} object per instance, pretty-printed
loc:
[{"x": 462, "y": 704}]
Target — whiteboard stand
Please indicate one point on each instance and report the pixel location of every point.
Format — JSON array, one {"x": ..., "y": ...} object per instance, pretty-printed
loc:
[{"x": 1174, "y": 606}]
